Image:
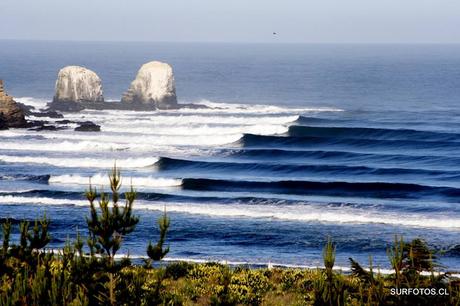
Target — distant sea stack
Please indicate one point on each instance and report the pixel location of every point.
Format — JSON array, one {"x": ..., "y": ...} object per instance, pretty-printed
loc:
[
  {"x": 76, "y": 86},
  {"x": 11, "y": 114},
  {"x": 153, "y": 88}
]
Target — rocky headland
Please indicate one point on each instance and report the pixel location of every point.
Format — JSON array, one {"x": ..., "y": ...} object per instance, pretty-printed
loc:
[
  {"x": 11, "y": 113},
  {"x": 14, "y": 115}
]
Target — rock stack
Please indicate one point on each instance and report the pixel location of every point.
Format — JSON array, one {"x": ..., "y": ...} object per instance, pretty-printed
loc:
[
  {"x": 153, "y": 88},
  {"x": 75, "y": 87},
  {"x": 11, "y": 114}
]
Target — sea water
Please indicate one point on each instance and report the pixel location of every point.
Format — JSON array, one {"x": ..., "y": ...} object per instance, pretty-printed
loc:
[{"x": 298, "y": 143}]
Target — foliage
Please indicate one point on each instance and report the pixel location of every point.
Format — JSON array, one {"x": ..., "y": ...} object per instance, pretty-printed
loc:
[
  {"x": 177, "y": 270},
  {"x": 108, "y": 224},
  {"x": 32, "y": 275},
  {"x": 329, "y": 288},
  {"x": 157, "y": 252}
]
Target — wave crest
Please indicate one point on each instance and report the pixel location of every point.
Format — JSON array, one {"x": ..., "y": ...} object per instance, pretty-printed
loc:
[
  {"x": 103, "y": 179},
  {"x": 70, "y": 162}
]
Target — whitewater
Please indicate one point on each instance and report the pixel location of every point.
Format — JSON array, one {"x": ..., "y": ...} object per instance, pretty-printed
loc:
[{"x": 267, "y": 170}]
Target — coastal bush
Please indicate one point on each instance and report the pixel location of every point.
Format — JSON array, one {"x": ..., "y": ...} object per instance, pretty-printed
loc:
[
  {"x": 250, "y": 287},
  {"x": 329, "y": 288},
  {"x": 177, "y": 270},
  {"x": 224, "y": 297},
  {"x": 296, "y": 280}
]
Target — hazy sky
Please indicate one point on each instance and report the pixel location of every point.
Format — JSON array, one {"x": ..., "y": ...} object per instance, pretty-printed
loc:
[{"x": 360, "y": 21}]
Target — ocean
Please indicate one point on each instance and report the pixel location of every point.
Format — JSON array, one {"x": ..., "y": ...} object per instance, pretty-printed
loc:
[{"x": 299, "y": 143}]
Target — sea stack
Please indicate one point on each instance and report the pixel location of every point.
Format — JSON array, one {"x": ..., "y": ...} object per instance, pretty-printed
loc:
[
  {"x": 76, "y": 86},
  {"x": 11, "y": 114},
  {"x": 153, "y": 88}
]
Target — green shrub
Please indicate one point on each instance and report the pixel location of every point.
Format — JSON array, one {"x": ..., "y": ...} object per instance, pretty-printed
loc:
[{"x": 177, "y": 270}]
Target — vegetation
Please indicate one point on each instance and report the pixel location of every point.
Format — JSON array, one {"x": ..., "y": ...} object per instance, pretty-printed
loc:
[{"x": 88, "y": 273}]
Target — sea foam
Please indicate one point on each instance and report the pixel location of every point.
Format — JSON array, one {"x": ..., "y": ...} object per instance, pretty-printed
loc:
[
  {"x": 103, "y": 179},
  {"x": 70, "y": 162},
  {"x": 299, "y": 213}
]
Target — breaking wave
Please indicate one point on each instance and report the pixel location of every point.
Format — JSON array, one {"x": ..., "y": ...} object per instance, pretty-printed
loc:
[
  {"x": 71, "y": 162},
  {"x": 34, "y": 102},
  {"x": 103, "y": 179},
  {"x": 300, "y": 213},
  {"x": 216, "y": 107},
  {"x": 309, "y": 214},
  {"x": 370, "y": 133},
  {"x": 333, "y": 188}
]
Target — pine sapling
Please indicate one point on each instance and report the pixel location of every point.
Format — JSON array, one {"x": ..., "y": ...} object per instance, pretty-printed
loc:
[
  {"x": 109, "y": 222},
  {"x": 157, "y": 252}
]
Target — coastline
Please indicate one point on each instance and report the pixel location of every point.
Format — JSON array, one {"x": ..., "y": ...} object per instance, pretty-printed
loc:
[
  {"x": 158, "y": 280},
  {"x": 260, "y": 176}
]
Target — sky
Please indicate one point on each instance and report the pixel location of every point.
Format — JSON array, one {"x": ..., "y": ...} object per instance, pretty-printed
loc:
[{"x": 294, "y": 21}]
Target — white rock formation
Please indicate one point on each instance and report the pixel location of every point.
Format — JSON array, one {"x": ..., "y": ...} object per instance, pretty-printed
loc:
[
  {"x": 154, "y": 86},
  {"x": 78, "y": 84}
]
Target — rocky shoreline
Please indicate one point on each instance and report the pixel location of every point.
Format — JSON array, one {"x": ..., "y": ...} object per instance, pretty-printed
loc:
[
  {"x": 13, "y": 115},
  {"x": 78, "y": 88}
]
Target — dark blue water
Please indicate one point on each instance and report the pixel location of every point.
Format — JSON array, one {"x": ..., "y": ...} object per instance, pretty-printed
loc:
[{"x": 301, "y": 142}]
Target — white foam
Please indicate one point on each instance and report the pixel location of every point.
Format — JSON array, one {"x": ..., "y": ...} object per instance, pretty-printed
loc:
[
  {"x": 40, "y": 200},
  {"x": 307, "y": 213},
  {"x": 81, "y": 162},
  {"x": 15, "y": 190},
  {"x": 223, "y": 119},
  {"x": 299, "y": 213},
  {"x": 220, "y": 124},
  {"x": 197, "y": 130},
  {"x": 219, "y": 108},
  {"x": 114, "y": 141},
  {"x": 64, "y": 146},
  {"x": 214, "y": 107},
  {"x": 12, "y": 133},
  {"x": 35, "y": 102},
  {"x": 180, "y": 119},
  {"x": 102, "y": 179}
]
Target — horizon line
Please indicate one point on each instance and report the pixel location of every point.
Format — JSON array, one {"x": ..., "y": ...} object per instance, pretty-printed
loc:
[{"x": 231, "y": 42}]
